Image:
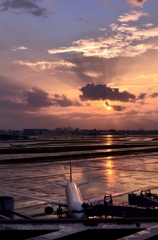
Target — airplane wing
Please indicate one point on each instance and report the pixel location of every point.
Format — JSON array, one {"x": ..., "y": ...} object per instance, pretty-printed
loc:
[
  {"x": 97, "y": 200},
  {"x": 145, "y": 188},
  {"x": 82, "y": 183},
  {"x": 60, "y": 203},
  {"x": 60, "y": 184}
]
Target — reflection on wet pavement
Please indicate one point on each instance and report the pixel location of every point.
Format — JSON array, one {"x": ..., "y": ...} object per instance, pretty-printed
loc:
[{"x": 110, "y": 175}]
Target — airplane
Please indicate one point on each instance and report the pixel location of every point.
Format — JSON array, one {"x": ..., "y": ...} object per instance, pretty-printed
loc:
[
  {"x": 32, "y": 137},
  {"x": 17, "y": 144},
  {"x": 74, "y": 201}
]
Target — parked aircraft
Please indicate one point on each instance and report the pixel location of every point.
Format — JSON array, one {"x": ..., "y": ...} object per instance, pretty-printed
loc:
[
  {"x": 17, "y": 144},
  {"x": 74, "y": 201}
]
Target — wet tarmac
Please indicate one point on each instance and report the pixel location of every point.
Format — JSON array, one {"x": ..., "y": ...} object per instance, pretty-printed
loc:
[{"x": 110, "y": 175}]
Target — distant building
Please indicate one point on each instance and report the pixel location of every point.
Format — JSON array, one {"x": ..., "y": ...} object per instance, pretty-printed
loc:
[
  {"x": 2, "y": 131},
  {"x": 34, "y": 131},
  {"x": 113, "y": 131},
  {"x": 47, "y": 132},
  {"x": 76, "y": 130}
]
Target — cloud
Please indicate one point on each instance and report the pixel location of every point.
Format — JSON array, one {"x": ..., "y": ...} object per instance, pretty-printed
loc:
[
  {"x": 19, "y": 48},
  {"x": 137, "y": 3},
  {"x": 28, "y": 6},
  {"x": 148, "y": 24},
  {"x": 115, "y": 107},
  {"x": 16, "y": 113},
  {"x": 64, "y": 101},
  {"x": 154, "y": 95},
  {"x": 37, "y": 98},
  {"x": 13, "y": 97},
  {"x": 102, "y": 29},
  {"x": 124, "y": 40},
  {"x": 97, "y": 92},
  {"x": 132, "y": 16},
  {"x": 44, "y": 65},
  {"x": 141, "y": 96},
  {"x": 118, "y": 108}
]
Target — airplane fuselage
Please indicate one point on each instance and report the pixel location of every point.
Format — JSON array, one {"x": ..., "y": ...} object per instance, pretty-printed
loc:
[
  {"x": 74, "y": 201},
  {"x": 17, "y": 144}
]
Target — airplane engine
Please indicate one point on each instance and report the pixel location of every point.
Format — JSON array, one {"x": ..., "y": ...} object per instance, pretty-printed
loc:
[{"x": 48, "y": 209}]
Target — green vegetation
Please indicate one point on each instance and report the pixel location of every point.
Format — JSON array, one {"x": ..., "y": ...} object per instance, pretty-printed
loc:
[
  {"x": 53, "y": 149},
  {"x": 77, "y": 156}
]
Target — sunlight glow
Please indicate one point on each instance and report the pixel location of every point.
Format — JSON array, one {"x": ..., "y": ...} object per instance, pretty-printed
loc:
[
  {"x": 108, "y": 107},
  {"x": 109, "y": 168}
]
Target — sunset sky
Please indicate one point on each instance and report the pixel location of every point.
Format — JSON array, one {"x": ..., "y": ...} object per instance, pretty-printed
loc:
[{"x": 87, "y": 64}]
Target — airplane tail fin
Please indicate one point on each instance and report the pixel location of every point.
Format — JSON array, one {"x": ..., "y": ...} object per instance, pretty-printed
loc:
[{"x": 70, "y": 172}]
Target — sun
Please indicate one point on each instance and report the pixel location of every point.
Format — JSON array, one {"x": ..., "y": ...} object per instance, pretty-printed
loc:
[{"x": 108, "y": 107}]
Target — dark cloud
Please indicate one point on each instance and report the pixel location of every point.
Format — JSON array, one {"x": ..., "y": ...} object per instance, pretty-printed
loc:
[
  {"x": 10, "y": 105},
  {"x": 64, "y": 101},
  {"x": 37, "y": 98},
  {"x": 141, "y": 96},
  {"x": 56, "y": 95},
  {"x": 13, "y": 97},
  {"x": 101, "y": 91},
  {"x": 115, "y": 107},
  {"x": 154, "y": 95},
  {"x": 29, "y": 6},
  {"x": 118, "y": 108}
]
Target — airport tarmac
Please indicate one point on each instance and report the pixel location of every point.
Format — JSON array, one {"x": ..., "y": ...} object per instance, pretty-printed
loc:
[
  {"x": 114, "y": 144},
  {"x": 101, "y": 230},
  {"x": 110, "y": 175}
]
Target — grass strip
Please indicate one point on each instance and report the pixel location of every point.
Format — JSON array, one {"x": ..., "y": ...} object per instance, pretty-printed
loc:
[
  {"x": 77, "y": 156},
  {"x": 69, "y": 148}
]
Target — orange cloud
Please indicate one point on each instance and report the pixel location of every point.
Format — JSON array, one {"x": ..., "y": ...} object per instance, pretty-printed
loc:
[
  {"x": 43, "y": 65},
  {"x": 132, "y": 16}
]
